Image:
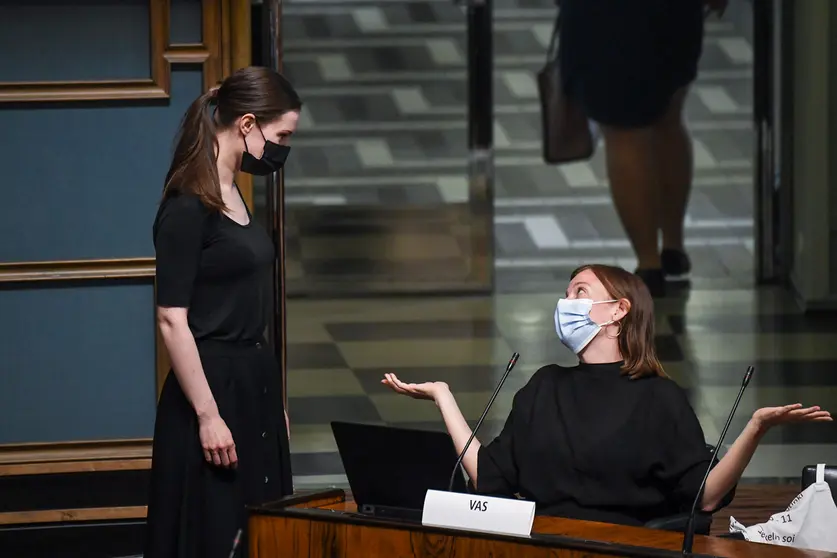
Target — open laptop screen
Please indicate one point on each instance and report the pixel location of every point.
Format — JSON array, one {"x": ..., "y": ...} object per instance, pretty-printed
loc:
[{"x": 395, "y": 467}]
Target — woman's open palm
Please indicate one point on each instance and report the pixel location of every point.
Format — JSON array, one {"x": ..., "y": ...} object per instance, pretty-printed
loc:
[
  {"x": 771, "y": 416},
  {"x": 426, "y": 390}
]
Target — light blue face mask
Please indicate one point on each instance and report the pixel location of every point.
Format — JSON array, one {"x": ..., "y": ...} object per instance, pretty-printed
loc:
[{"x": 573, "y": 324}]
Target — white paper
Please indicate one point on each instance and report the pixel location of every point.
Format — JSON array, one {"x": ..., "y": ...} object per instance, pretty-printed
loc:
[
  {"x": 478, "y": 513},
  {"x": 809, "y": 522}
]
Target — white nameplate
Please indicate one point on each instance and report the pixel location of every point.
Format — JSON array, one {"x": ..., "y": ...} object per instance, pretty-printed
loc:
[{"x": 478, "y": 513}]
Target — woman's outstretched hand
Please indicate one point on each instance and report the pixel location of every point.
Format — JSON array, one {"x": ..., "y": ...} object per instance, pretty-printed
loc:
[
  {"x": 426, "y": 390},
  {"x": 769, "y": 417}
]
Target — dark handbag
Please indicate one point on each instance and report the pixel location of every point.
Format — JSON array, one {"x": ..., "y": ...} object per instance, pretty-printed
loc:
[{"x": 564, "y": 125}]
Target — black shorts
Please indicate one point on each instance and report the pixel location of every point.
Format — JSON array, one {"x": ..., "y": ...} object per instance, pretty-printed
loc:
[{"x": 624, "y": 59}]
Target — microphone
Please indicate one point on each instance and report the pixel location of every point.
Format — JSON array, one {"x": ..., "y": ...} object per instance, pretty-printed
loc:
[
  {"x": 502, "y": 381},
  {"x": 689, "y": 532},
  {"x": 236, "y": 542}
]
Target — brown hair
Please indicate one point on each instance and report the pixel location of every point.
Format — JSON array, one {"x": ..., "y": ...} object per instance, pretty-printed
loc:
[
  {"x": 256, "y": 90},
  {"x": 636, "y": 329}
]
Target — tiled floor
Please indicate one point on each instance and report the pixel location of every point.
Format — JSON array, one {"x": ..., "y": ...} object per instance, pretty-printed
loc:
[{"x": 339, "y": 350}]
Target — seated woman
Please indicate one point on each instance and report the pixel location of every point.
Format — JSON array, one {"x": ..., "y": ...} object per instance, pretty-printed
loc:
[{"x": 611, "y": 439}]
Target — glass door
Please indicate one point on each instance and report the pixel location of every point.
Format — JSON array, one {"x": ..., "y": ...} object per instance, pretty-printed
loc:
[{"x": 388, "y": 188}]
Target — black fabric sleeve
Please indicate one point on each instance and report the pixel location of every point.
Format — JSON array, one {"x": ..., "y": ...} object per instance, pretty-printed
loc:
[
  {"x": 496, "y": 468},
  {"x": 178, "y": 239},
  {"x": 684, "y": 454}
]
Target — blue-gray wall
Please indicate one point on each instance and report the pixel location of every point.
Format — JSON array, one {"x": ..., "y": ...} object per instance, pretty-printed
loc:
[{"x": 82, "y": 181}]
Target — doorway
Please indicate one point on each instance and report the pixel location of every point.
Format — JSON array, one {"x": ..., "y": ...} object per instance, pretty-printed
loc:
[{"x": 386, "y": 191}]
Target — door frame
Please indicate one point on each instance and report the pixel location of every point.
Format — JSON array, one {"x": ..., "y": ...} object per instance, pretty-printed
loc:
[{"x": 773, "y": 145}]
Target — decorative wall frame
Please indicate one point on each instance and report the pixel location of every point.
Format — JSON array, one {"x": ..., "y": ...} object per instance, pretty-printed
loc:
[{"x": 225, "y": 46}]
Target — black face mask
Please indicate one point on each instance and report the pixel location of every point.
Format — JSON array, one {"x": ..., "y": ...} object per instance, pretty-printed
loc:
[{"x": 272, "y": 160}]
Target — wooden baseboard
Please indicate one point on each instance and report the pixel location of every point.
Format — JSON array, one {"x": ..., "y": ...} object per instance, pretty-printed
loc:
[
  {"x": 50, "y": 468},
  {"x": 71, "y": 457},
  {"x": 79, "y": 514},
  {"x": 92, "y": 539},
  {"x": 74, "y": 482}
]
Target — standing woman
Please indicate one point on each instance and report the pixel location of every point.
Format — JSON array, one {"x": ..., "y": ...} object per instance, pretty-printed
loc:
[{"x": 221, "y": 434}]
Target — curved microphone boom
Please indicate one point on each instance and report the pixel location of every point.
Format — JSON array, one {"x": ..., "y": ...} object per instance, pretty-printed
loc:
[
  {"x": 502, "y": 381},
  {"x": 689, "y": 532}
]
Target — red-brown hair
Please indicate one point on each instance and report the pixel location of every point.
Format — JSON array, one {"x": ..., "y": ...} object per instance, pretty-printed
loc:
[{"x": 636, "y": 331}]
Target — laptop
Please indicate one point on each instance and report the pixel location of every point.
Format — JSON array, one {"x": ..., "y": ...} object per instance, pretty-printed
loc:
[{"x": 391, "y": 469}]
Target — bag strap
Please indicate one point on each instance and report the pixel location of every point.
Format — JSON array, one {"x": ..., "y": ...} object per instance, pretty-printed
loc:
[
  {"x": 552, "y": 51},
  {"x": 820, "y": 473}
]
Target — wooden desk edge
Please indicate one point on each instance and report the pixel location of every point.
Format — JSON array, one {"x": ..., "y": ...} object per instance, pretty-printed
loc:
[{"x": 336, "y": 505}]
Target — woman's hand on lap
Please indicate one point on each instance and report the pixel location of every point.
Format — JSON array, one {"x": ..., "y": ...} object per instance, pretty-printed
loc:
[
  {"x": 217, "y": 442},
  {"x": 427, "y": 390}
]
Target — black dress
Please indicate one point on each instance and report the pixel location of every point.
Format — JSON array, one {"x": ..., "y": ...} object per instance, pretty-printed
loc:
[
  {"x": 623, "y": 59},
  {"x": 221, "y": 272},
  {"x": 589, "y": 443}
]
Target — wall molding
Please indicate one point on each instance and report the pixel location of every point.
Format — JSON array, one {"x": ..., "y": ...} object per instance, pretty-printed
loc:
[
  {"x": 156, "y": 86},
  {"x": 212, "y": 54},
  {"x": 225, "y": 48},
  {"x": 187, "y": 54},
  {"x": 79, "y": 514},
  {"x": 76, "y": 270},
  {"x": 74, "y": 457}
]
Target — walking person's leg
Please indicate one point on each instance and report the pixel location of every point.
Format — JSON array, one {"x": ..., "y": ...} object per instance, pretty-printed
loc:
[
  {"x": 629, "y": 64},
  {"x": 674, "y": 156},
  {"x": 633, "y": 173}
]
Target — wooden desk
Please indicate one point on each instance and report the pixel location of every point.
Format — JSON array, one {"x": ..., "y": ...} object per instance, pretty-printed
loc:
[{"x": 326, "y": 524}]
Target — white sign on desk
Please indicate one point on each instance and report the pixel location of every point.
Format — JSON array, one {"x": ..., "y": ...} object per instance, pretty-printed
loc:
[{"x": 478, "y": 513}]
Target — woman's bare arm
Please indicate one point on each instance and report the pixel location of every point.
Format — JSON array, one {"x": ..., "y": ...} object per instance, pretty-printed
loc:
[
  {"x": 726, "y": 474},
  {"x": 728, "y": 471},
  {"x": 459, "y": 431},
  {"x": 185, "y": 360}
]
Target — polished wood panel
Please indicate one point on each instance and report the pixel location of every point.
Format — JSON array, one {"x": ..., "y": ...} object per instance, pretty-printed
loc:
[
  {"x": 19, "y": 459},
  {"x": 213, "y": 69},
  {"x": 289, "y": 528},
  {"x": 74, "y": 481},
  {"x": 65, "y": 467},
  {"x": 75, "y": 270},
  {"x": 240, "y": 56},
  {"x": 81, "y": 514},
  {"x": 187, "y": 54}
]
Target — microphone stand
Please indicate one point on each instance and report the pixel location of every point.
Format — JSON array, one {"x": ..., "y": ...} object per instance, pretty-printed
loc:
[
  {"x": 236, "y": 542},
  {"x": 689, "y": 532},
  {"x": 459, "y": 459}
]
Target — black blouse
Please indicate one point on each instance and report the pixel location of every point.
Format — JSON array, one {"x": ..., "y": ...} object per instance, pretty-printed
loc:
[
  {"x": 590, "y": 443},
  {"x": 218, "y": 269}
]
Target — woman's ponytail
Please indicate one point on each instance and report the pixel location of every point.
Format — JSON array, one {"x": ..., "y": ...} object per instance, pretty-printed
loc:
[{"x": 193, "y": 167}]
